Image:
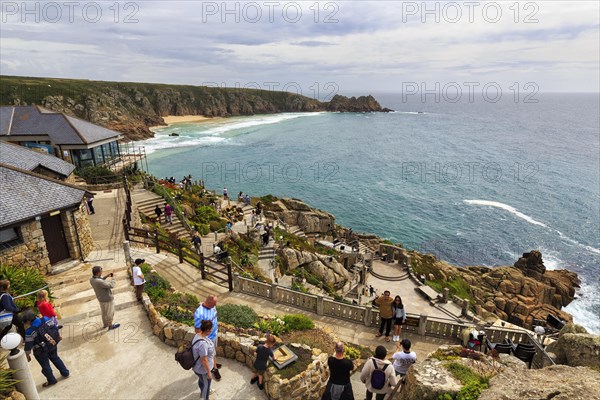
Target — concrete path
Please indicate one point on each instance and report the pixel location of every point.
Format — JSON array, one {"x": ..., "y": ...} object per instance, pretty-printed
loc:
[{"x": 132, "y": 363}]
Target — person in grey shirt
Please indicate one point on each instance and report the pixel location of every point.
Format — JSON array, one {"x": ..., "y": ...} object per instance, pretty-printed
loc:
[
  {"x": 103, "y": 289},
  {"x": 203, "y": 350}
]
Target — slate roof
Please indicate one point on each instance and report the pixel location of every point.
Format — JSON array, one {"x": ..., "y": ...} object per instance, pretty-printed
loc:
[
  {"x": 24, "y": 195},
  {"x": 62, "y": 129},
  {"x": 24, "y": 158}
]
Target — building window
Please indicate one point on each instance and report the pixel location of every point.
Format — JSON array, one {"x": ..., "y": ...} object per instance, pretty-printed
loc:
[{"x": 9, "y": 237}]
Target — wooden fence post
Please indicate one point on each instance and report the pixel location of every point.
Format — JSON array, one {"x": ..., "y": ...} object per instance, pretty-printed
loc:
[
  {"x": 202, "y": 266},
  {"x": 156, "y": 241},
  {"x": 229, "y": 276},
  {"x": 180, "y": 250},
  {"x": 126, "y": 229}
]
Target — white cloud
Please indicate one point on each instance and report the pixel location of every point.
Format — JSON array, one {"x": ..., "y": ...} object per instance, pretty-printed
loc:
[{"x": 373, "y": 46}]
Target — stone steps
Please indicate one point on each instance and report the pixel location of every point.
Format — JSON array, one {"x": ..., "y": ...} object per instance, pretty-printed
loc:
[
  {"x": 87, "y": 306},
  {"x": 297, "y": 231}
]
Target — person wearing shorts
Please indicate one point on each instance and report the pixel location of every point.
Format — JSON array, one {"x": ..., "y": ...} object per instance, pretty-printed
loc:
[{"x": 262, "y": 353}]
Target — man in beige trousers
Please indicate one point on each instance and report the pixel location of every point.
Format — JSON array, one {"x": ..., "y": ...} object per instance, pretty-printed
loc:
[{"x": 103, "y": 289}]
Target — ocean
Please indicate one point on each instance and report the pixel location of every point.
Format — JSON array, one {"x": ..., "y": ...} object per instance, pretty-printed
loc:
[{"x": 473, "y": 182}]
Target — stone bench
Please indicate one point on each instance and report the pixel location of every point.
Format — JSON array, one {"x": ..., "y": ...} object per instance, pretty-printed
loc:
[{"x": 428, "y": 292}]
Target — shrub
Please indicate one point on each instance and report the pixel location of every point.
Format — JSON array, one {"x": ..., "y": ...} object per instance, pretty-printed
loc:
[
  {"x": 180, "y": 307},
  {"x": 237, "y": 315},
  {"x": 352, "y": 352},
  {"x": 156, "y": 286},
  {"x": 23, "y": 280},
  {"x": 93, "y": 174},
  {"x": 7, "y": 382},
  {"x": 298, "y": 322},
  {"x": 217, "y": 225},
  {"x": 275, "y": 326},
  {"x": 473, "y": 384}
]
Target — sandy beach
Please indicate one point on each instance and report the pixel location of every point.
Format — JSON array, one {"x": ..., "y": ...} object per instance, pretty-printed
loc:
[{"x": 173, "y": 119}]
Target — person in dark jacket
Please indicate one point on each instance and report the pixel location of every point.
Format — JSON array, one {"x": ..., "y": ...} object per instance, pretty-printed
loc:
[
  {"x": 7, "y": 303},
  {"x": 43, "y": 355}
]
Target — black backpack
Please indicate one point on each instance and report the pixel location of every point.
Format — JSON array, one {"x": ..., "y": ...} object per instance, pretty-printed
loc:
[
  {"x": 185, "y": 357},
  {"x": 378, "y": 376},
  {"x": 47, "y": 336}
]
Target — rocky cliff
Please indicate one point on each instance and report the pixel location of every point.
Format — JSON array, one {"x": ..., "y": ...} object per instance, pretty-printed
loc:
[
  {"x": 503, "y": 378},
  {"x": 132, "y": 108},
  {"x": 517, "y": 294}
]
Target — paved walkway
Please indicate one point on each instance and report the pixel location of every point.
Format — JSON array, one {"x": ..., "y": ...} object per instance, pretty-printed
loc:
[{"x": 132, "y": 363}]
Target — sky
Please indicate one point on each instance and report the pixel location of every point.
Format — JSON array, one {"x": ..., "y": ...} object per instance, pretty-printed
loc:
[{"x": 317, "y": 48}]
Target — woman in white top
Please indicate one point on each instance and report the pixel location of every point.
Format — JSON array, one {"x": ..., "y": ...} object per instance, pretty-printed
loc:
[{"x": 399, "y": 317}]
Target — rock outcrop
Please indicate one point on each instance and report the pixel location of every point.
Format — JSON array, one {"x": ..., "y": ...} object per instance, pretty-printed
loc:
[
  {"x": 516, "y": 294},
  {"x": 555, "y": 382},
  {"x": 294, "y": 212},
  {"x": 575, "y": 347},
  {"x": 323, "y": 267},
  {"x": 510, "y": 379},
  {"x": 132, "y": 108}
]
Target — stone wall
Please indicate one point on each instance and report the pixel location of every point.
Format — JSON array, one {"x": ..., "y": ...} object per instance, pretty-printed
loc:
[
  {"x": 84, "y": 232},
  {"x": 32, "y": 252},
  {"x": 240, "y": 346}
]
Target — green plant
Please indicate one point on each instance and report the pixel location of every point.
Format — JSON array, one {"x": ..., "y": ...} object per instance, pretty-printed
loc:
[
  {"x": 7, "y": 382},
  {"x": 23, "y": 280},
  {"x": 275, "y": 326},
  {"x": 445, "y": 396},
  {"x": 473, "y": 384},
  {"x": 352, "y": 352},
  {"x": 237, "y": 315},
  {"x": 156, "y": 286},
  {"x": 298, "y": 322},
  {"x": 299, "y": 287},
  {"x": 97, "y": 174}
]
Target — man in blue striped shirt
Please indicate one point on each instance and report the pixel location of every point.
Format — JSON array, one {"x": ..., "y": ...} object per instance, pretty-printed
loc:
[{"x": 208, "y": 311}]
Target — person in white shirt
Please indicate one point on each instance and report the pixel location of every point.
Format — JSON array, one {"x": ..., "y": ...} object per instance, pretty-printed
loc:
[
  {"x": 404, "y": 358},
  {"x": 138, "y": 278}
]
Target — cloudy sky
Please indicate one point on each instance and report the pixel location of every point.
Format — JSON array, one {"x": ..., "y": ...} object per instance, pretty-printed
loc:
[{"x": 346, "y": 46}]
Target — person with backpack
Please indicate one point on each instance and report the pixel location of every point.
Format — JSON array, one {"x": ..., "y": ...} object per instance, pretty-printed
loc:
[
  {"x": 378, "y": 375},
  {"x": 42, "y": 337},
  {"x": 9, "y": 311},
  {"x": 203, "y": 350}
]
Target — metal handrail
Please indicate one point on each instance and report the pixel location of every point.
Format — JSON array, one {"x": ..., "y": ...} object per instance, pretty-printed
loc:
[{"x": 27, "y": 294}]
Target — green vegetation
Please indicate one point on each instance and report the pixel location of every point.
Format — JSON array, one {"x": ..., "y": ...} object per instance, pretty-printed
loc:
[
  {"x": 237, "y": 315},
  {"x": 97, "y": 175},
  {"x": 457, "y": 286},
  {"x": 243, "y": 252},
  {"x": 23, "y": 280},
  {"x": 473, "y": 384},
  {"x": 7, "y": 382},
  {"x": 298, "y": 322}
]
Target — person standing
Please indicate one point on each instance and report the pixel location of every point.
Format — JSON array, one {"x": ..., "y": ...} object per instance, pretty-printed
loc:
[
  {"x": 387, "y": 381},
  {"x": 158, "y": 213},
  {"x": 371, "y": 290},
  {"x": 89, "y": 198},
  {"x": 42, "y": 338},
  {"x": 385, "y": 314},
  {"x": 138, "y": 278},
  {"x": 262, "y": 354},
  {"x": 168, "y": 213},
  {"x": 207, "y": 311},
  {"x": 197, "y": 241},
  {"x": 204, "y": 353},
  {"x": 7, "y": 303},
  {"x": 404, "y": 358},
  {"x": 103, "y": 289},
  {"x": 339, "y": 386},
  {"x": 399, "y": 317},
  {"x": 45, "y": 307}
]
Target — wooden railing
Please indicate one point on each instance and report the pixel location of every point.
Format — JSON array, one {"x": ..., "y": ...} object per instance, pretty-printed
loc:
[{"x": 211, "y": 269}]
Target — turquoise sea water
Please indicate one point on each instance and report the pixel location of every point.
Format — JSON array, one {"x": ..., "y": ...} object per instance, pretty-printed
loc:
[{"x": 474, "y": 183}]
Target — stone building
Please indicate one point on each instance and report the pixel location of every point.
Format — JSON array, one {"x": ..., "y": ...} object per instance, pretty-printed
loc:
[{"x": 43, "y": 221}]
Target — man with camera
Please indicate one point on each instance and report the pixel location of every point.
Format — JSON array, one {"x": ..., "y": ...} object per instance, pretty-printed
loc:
[{"x": 103, "y": 289}]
